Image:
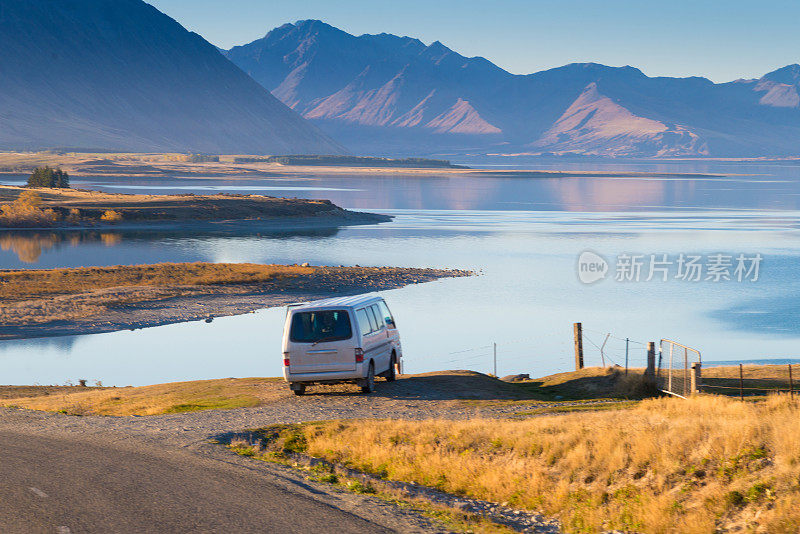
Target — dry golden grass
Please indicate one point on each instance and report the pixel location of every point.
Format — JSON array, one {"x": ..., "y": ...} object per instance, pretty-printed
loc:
[
  {"x": 18, "y": 285},
  {"x": 590, "y": 383},
  {"x": 152, "y": 400},
  {"x": 667, "y": 465}
]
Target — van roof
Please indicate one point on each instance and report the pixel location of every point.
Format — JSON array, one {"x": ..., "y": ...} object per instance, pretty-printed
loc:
[{"x": 344, "y": 302}]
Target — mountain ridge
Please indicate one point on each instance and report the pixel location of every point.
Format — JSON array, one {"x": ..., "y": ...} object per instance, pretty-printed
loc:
[
  {"x": 120, "y": 75},
  {"x": 382, "y": 93}
]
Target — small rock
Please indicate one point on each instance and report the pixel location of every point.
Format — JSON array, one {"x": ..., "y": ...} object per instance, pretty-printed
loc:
[{"x": 305, "y": 264}]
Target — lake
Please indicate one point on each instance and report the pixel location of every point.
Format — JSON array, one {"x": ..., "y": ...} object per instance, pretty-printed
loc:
[{"x": 523, "y": 236}]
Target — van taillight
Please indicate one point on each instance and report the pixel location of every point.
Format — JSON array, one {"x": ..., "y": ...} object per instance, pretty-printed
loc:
[
  {"x": 286, "y": 359},
  {"x": 359, "y": 355}
]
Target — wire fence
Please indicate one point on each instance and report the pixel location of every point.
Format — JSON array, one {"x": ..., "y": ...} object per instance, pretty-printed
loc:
[
  {"x": 676, "y": 370},
  {"x": 750, "y": 380},
  {"x": 607, "y": 349},
  {"x": 504, "y": 356}
]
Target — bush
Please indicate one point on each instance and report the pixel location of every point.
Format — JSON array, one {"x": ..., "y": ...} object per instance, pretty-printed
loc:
[
  {"x": 25, "y": 211},
  {"x": 111, "y": 216},
  {"x": 48, "y": 177},
  {"x": 74, "y": 216}
]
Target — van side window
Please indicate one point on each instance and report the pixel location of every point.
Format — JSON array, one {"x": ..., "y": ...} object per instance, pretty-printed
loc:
[
  {"x": 385, "y": 311},
  {"x": 372, "y": 320},
  {"x": 363, "y": 322},
  {"x": 378, "y": 315}
]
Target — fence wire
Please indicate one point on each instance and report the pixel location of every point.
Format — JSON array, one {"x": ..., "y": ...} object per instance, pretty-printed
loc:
[{"x": 751, "y": 380}]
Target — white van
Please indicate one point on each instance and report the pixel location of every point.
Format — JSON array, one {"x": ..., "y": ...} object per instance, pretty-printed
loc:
[{"x": 343, "y": 339}]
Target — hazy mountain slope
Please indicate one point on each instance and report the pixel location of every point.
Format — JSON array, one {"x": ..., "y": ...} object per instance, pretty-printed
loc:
[
  {"x": 375, "y": 90},
  {"x": 383, "y": 93},
  {"x": 120, "y": 75}
]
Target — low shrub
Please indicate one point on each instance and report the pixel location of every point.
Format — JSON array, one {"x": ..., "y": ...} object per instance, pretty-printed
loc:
[
  {"x": 111, "y": 216},
  {"x": 26, "y": 211}
]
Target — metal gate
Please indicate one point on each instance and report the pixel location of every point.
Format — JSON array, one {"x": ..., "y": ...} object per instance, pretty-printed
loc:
[{"x": 674, "y": 375}]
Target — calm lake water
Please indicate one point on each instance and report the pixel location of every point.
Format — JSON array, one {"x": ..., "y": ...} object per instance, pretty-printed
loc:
[{"x": 523, "y": 235}]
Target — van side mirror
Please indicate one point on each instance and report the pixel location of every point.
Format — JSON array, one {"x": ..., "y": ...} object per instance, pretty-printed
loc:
[{"x": 390, "y": 322}]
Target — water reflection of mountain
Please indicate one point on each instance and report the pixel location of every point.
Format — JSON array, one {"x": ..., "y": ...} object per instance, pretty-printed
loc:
[{"x": 29, "y": 245}]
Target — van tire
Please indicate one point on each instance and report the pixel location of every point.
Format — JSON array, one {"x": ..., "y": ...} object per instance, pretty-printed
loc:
[
  {"x": 298, "y": 389},
  {"x": 368, "y": 384},
  {"x": 391, "y": 374}
]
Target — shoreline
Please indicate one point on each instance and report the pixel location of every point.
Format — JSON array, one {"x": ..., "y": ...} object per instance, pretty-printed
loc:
[
  {"x": 129, "y": 307},
  {"x": 166, "y": 166},
  {"x": 83, "y": 209}
]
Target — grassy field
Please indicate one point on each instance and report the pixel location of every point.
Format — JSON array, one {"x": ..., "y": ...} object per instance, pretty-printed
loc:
[
  {"x": 589, "y": 383},
  {"x": 666, "y": 465},
  {"x": 173, "y": 397},
  {"x": 758, "y": 380}
]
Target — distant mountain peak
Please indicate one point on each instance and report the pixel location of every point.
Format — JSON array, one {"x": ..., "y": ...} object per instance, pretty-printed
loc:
[{"x": 789, "y": 75}]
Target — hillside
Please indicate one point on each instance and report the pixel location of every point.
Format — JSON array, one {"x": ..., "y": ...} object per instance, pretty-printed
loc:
[
  {"x": 120, "y": 75},
  {"x": 385, "y": 94}
]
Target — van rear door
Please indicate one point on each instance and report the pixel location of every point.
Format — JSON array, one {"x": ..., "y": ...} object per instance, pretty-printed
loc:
[{"x": 321, "y": 341}]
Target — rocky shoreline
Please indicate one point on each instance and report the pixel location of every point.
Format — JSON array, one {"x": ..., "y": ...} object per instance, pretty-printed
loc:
[{"x": 132, "y": 307}]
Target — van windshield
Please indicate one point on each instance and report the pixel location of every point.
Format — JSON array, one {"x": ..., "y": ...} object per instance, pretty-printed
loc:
[{"x": 323, "y": 325}]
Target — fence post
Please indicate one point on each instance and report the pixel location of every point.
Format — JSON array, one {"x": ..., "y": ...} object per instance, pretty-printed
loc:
[
  {"x": 626, "y": 355},
  {"x": 577, "y": 330},
  {"x": 602, "y": 348},
  {"x": 686, "y": 371},
  {"x": 741, "y": 383},
  {"x": 495, "y": 359},
  {"x": 697, "y": 380},
  {"x": 791, "y": 383},
  {"x": 650, "y": 373}
]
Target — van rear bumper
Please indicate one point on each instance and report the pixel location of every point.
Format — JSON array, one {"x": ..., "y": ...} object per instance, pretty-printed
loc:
[{"x": 329, "y": 376}]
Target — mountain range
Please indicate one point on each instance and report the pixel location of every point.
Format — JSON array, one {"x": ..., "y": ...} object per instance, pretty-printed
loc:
[
  {"x": 120, "y": 75},
  {"x": 385, "y": 94}
]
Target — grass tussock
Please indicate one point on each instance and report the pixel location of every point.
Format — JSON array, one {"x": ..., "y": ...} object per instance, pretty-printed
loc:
[
  {"x": 24, "y": 284},
  {"x": 667, "y": 465},
  {"x": 157, "y": 399}
]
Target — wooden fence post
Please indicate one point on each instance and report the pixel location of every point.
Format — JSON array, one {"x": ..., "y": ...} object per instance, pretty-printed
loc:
[
  {"x": 697, "y": 380},
  {"x": 577, "y": 330},
  {"x": 650, "y": 373},
  {"x": 791, "y": 383}
]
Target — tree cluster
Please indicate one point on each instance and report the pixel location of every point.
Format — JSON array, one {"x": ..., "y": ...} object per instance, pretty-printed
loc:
[{"x": 48, "y": 177}]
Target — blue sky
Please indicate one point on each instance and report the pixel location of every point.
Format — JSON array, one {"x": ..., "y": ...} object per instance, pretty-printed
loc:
[{"x": 716, "y": 39}]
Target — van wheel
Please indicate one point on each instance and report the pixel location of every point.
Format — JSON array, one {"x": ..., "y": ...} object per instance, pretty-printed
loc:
[
  {"x": 298, "y": 389},
  {"x": 391, "y": 374},
  {"x": 369, "y": 382}
]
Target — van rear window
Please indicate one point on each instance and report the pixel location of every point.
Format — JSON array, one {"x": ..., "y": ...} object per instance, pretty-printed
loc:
[{"x": 323, "y": 325}]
